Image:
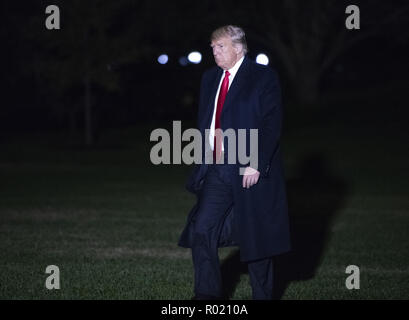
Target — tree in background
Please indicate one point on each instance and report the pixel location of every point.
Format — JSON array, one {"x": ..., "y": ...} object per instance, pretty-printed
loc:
[
  {"x": 100, "y": 42},
  {"x": 96, "y": 37},
  {"x": 308, "y": 37}
]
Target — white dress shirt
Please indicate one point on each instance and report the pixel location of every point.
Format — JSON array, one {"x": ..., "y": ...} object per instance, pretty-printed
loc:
[{"x": 232, "y": 72}]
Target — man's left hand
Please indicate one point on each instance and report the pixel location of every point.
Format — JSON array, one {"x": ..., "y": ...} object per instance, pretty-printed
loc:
[{"x": 250, "y": 177}]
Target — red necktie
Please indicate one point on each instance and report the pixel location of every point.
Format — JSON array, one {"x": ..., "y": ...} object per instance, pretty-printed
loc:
[{"x": 217, "y": 149}]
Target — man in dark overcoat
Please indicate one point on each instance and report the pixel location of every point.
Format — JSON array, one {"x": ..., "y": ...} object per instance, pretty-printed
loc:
[{"x": 247, "y": 209}]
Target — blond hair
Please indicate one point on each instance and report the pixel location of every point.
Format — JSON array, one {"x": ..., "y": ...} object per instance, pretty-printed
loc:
[{"x": 235, "y": 33}]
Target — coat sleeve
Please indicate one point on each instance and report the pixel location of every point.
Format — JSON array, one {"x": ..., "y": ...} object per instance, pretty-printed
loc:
[
  {"x": 271, "y": 120},
  {"x": 193, "y": 184}
]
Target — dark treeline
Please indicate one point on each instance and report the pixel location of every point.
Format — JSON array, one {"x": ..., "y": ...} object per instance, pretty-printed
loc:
[{"x": 100, "y": 70}]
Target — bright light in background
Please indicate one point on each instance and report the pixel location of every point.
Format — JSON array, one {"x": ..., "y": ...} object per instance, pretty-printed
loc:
[
  {"x": 163, "y": 59},
  {"x": 183, "y": 61},
  {"x": 195, "y": 57},
  {"x": 262, "y": 59}
]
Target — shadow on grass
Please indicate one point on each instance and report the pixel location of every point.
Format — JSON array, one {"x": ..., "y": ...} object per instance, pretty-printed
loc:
[{"x": 314, "y": 197}]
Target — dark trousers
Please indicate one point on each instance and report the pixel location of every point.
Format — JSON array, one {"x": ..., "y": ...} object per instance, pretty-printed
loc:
[{"x": 215, "y": 199}]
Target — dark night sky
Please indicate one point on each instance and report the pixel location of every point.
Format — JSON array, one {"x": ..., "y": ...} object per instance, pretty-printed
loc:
[{"x": 31, "y": 91}]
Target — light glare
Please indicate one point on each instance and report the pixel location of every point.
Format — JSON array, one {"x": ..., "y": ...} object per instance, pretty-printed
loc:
[
  {"x": 262, "y": 59},
  {"x": 195, "y": 57},
  {"x": 163, "y": 59}
]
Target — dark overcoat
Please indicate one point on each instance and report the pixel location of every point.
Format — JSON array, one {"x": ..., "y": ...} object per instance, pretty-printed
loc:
[{"x": 258, "y": 220}]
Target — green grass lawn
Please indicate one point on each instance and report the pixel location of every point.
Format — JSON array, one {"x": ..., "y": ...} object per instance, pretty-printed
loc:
[{"x": 110, "y": 220}]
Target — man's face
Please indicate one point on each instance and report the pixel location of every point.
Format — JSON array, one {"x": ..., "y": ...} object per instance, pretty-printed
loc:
[{"x": 225, "y": 53}]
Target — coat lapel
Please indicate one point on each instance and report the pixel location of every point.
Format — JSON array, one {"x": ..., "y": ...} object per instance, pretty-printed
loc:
[
  {"x": 211, "y": 98},
  {"x": 237, "y": 85}
]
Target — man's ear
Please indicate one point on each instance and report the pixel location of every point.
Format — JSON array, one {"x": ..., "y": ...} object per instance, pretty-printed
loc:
[{"x": 238, "y": 48}]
